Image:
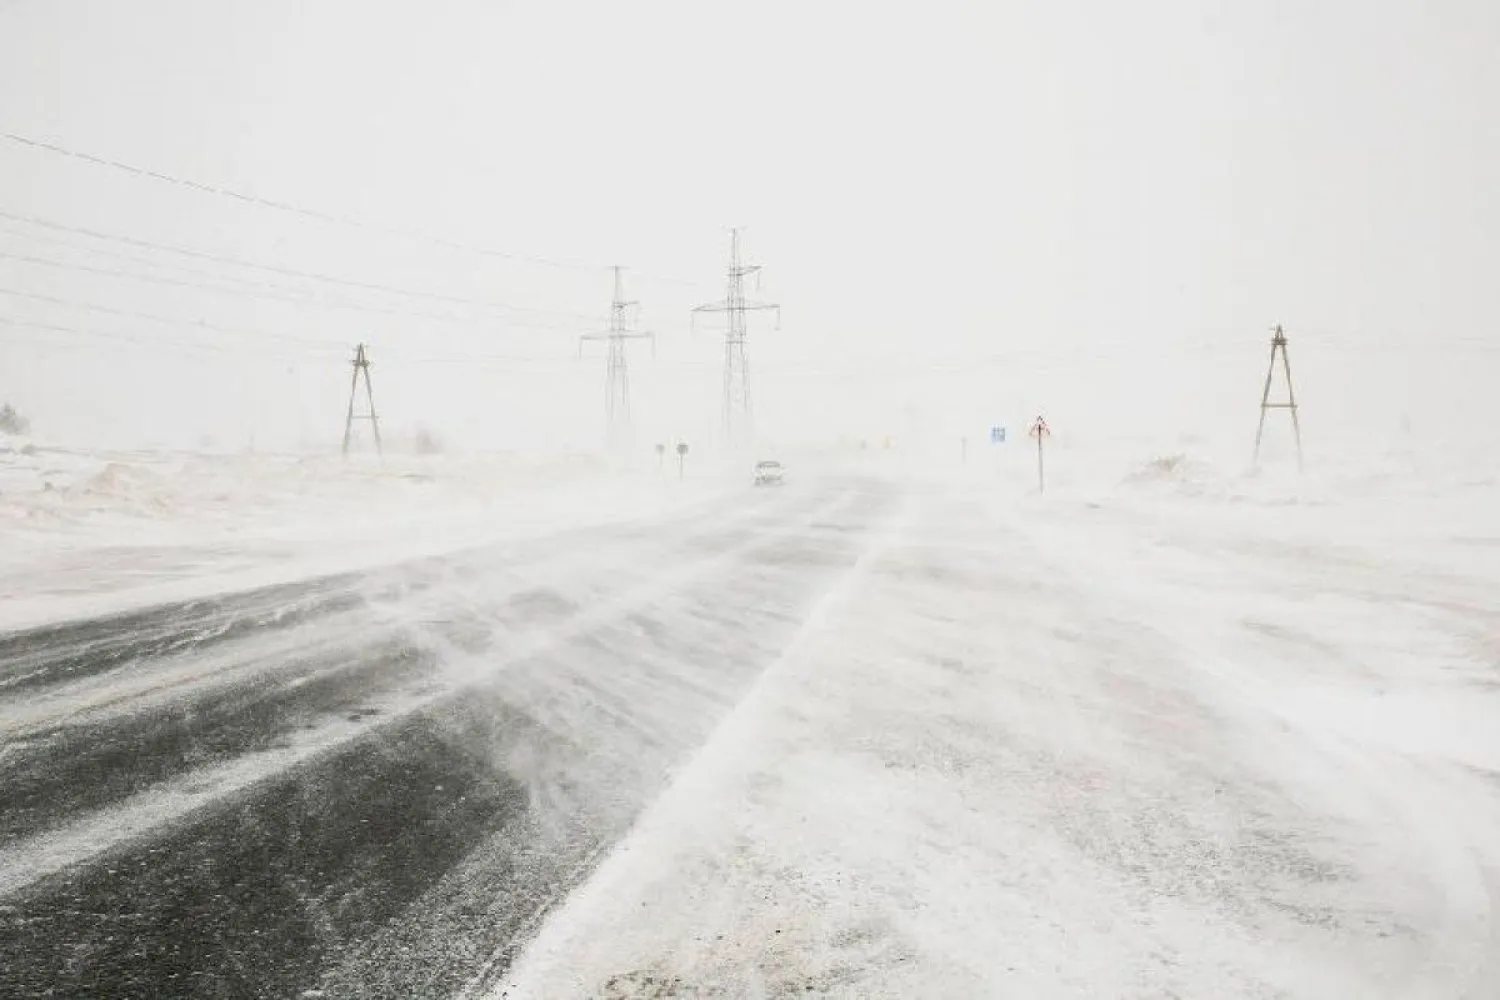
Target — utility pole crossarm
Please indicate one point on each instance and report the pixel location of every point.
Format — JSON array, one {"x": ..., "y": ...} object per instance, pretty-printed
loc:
[
  {"x": 637, "y": 335},
  {"x": 733, "y": 306},
  {"x": 642, "y": 335},
  {"x": 587, "y": 337}
]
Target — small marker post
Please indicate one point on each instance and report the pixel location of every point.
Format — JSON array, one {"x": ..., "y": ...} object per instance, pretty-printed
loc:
[
  {"x": 682, "y": 450},
  {"x": 1040, "y": 430}
]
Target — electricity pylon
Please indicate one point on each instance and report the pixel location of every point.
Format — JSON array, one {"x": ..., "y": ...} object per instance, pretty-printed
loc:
[
  {"x": 361, "y": 370},
  {"x": 736, "y": 360},
  {"x": 617, "y": 382},
  {"x": 1278, "y": 343}
]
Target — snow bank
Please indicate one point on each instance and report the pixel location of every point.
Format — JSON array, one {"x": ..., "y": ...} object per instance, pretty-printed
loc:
[{"x": 87, "y": 532}]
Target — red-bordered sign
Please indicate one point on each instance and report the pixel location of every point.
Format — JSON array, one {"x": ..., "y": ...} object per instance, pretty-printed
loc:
[{"x": 1040, "y": 428}]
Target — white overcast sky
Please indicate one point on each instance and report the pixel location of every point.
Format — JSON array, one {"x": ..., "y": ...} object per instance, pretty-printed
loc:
[{"x": 968, "y": 210}]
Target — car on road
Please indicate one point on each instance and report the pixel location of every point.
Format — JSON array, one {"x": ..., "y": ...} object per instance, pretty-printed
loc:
[{"x": 768, "y": 473}]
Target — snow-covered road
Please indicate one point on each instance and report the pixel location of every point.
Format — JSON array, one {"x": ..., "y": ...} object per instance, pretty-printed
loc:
[
  {"x": 862, "y": 736},
  {"x": 1081, "y": 750},
  {"x": 374, "y": 784}
]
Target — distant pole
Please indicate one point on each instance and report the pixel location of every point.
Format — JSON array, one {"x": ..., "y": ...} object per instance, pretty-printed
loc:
[
  {"x": 682, "y": 450},
  {"x": 1040, "y": 430},
  {"x": 361, "y": 365},
  {"x": 1278, "y": 343}
]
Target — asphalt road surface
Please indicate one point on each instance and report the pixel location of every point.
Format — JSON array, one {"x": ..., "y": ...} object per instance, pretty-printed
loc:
[{"x": 377, "y": 784}]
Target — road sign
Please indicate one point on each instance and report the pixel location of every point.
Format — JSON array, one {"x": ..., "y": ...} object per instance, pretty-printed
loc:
[
  {"x": 997, "y": 435},
  {"x": 1040, "y": 428}
]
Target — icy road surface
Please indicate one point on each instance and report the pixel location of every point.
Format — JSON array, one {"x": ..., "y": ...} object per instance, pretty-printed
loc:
[
  {"x": 374, "y": 785},
  {"x": 857, "y": 738}
]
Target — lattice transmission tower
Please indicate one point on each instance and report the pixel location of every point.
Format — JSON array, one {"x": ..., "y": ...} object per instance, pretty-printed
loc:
[
  {"x": 737, "y": 401},
  {"x": 617, "y": 376}
]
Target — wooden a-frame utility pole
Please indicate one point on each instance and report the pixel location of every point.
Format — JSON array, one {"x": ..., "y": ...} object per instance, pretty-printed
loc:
[
  {"x": 361, "y": 365},
  {"x": 1278, "y": 343}
]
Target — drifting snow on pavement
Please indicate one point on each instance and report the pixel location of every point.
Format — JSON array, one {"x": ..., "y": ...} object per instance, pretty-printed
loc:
[
  {"x": 95, "y": 533},
  {"x": 372, "y": 784},
  {"x": 872, "y": 734},
  {"x": 1071, "y": 750}
]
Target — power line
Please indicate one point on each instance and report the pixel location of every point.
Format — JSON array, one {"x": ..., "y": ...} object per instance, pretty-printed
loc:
[
  {"x": 175, "y": 343},
  {"x": 262, "y": 294},
  {"x": 490, "y": 359},
  {"x": 278, "y": 292},
  {"x": 310, "y": 213},
  {"x": 156, "y": 264},
  {"x": 282, "y": 206},
  {"x": 277, "y": 269},
  {"x": 154, "y": 317},
  {"x": 178, "y": 283},
  {"x": 308, "y": 348}
]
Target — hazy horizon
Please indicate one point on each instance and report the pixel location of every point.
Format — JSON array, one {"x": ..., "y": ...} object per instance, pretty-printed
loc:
[{"x": 969, "y": 214}]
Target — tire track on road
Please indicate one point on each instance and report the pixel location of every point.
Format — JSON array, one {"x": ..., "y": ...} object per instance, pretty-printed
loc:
[{"x": 351, "y": 858}]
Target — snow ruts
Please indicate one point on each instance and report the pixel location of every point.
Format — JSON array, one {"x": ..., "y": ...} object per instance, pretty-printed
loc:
[{"x": 373, "y": 795}]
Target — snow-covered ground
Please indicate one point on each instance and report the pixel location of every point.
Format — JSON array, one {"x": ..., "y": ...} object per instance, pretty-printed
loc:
[
  {"x": 1166, "y": 730},
  {"x": 87, "y": 533},
  {"x": 1165, "y": 733}
]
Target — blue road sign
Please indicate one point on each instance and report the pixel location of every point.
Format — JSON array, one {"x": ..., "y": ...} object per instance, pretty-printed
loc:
[{"x": 997, "y": 435}]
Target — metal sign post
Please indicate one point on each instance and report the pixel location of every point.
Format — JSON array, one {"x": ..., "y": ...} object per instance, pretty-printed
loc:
[
  {"x": 1040, "y": 430},
  {"x": 682, "y": 450}
]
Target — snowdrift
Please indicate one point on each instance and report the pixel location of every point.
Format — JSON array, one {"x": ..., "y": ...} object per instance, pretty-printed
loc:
[{"x": 87, "y": 531}]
